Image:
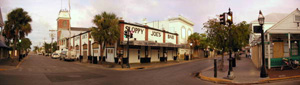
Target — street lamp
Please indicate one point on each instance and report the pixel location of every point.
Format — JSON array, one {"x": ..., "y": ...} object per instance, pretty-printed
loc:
[
  {"x": 261, "y": 20},
  {"x": 191, "y": 44}
]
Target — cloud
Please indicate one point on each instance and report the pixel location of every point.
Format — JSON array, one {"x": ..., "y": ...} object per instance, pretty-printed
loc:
[{"x": 44, "y": 12}]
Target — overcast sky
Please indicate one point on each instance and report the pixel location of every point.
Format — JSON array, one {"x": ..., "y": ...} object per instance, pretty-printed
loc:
[{"x": 45, "y": 12}]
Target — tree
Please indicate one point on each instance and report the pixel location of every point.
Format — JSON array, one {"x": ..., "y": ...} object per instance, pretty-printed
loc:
[
  {"x": 106, "y": 30},
  {"x": 199, "y": 41},
  {"x": 17, "y": 26},
  {"x": 25, "y": 44},
  {"x": 219, "y": 36},
  {"x": 36, "y": 49},
  {"x": 54, "y": 47},
  {"x": 47, "y": 47}
]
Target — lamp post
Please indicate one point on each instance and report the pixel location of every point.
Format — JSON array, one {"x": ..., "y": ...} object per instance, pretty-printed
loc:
[
  {"x": 191, "y": 44},
  {"x": 261, "y": 20}
]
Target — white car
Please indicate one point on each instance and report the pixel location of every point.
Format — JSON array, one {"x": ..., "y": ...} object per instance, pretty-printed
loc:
[{"x": 55, "y": 55}]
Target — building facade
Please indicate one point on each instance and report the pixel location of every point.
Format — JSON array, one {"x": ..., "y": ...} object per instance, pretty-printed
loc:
[
  {"x": 149, "y": 44},
  {"x": 282, "y": 41}
]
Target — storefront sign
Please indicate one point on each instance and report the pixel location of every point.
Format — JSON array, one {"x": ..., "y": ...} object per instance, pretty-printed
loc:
[
  {"x": 135, "y": 29},
  {"x": 157, "y": 34},
  {"x": 170, "y": 36}
]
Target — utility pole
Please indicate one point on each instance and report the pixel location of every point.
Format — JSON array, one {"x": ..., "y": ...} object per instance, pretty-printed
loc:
[{"x": 52, "y": 35}]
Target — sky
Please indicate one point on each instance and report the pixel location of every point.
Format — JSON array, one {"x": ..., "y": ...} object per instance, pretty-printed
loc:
[{"x": 45, "y": 12}]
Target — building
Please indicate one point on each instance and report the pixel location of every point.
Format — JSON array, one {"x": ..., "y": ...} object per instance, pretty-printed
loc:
[
  {"x": 4, "y": 49},
  {"x": 149, "y": 44},
  {"x": 282, "y": 41},
  {"x": 180, "y": 25}
]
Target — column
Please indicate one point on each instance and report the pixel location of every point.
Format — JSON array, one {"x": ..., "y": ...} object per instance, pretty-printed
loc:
[
  {"x": 269, "y": 52},
  {"x": 289, "y": 40}
]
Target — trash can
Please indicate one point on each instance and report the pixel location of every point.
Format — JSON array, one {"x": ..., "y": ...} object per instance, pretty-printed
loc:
[
  {"x": 95, "y": 60},
  {"x": 80, "y": 58},
  {"x": 90, "y": 59}
]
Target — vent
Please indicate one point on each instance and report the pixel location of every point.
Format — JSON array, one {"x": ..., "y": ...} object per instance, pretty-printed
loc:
[{"x": 297, "y": 18}]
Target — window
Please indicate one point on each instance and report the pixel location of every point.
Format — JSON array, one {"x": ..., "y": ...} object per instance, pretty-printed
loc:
[
  {"x": 189, "y": 32},
  {"x": 183, "y": 32},
  {"x": 65, "y": 23}
]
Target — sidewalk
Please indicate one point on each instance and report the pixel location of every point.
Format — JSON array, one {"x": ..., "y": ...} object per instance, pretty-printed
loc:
[
  {"x": 244, "y": 72},
  {"x": 135, "y": 66}
]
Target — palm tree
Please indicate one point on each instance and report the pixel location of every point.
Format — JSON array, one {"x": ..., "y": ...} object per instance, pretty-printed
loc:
[
  {"x": 17, "y": 26},
  {"x": 106, "y": 30}
]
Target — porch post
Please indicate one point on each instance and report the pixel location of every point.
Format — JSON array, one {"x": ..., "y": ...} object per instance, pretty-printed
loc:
[
  {"x": 269, "y": 53},
  {"x": 289, "y": 40}
]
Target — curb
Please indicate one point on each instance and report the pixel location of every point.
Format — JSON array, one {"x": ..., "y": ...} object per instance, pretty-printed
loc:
[
  {"x": 276, "y": 79},
  {"x": 225, "y": 81},
  {"x": 215, "y": 80},
  {"x": 147, "y": 67},
  {"x": 17, "y": 65}
]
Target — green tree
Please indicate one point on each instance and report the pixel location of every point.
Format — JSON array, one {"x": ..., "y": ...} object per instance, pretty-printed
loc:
[
  {"x": 47, "y": 47},
  {"x": 220, "y": 38},
  {"x": 217, "y": 34},
  {"x": 36, "y": 49},
  {"x": 106, "y": 30},
  {"x": 17, "y": 26},
  {"x": 25, "y": 44},
  {"x": 54, "y": 47}
]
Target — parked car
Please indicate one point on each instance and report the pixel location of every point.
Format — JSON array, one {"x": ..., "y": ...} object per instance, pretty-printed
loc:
[
  {"x": 40, "y": 53},
  {"x": 55, "y": 55},
  {"x": 47, "y": 54},
  {"x": 65, "y": 55}
]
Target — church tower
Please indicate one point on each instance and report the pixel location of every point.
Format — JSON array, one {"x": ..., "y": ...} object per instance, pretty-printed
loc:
[{"x": 63, "y": 25}]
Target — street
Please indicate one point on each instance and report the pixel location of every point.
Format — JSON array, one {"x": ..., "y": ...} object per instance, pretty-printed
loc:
[{"x": 41, "y": 70}]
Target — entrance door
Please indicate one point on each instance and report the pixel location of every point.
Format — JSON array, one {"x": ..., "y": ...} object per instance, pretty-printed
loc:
[
  {"x": 84, "y": 55},
  {"x": 278, "y": 49},
  {"x": 110, "y": 54}
]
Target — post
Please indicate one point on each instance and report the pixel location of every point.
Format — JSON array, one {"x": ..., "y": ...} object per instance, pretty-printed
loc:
[
  {"x": 269, "y": 52},
  {"x": 215, "y": 68},
  {"x": 128, "y": 30},
  {"x": 263, "y": 72},
  {"x": 289, "y": 40}
]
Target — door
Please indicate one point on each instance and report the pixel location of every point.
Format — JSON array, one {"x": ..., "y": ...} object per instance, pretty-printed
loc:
[
  {"x": 278, "y": 49},
  {"x": 110, "y": 54}
]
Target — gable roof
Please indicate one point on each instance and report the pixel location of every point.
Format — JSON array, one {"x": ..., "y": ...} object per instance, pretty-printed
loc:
[
  {"x": 273, "y": 17},
  {"x": 286, "y": 25}
]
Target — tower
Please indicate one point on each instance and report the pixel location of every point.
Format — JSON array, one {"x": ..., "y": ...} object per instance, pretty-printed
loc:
[{"x": 63, "y": 25}]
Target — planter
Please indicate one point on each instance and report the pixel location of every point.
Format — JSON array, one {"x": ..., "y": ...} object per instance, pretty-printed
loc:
[
  {"x": 175, "y": 57},
  {"x": 116, "y": 60},
  {"x": 102, "y": 58},
  {"x": 125, "y": 60},
  {"x": 145, "y": 60},
  {"x": 95, "y": 60},
  {"x": 163, "y": 59}
]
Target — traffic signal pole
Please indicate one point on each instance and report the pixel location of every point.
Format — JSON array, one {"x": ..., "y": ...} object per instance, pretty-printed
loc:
[{"x": 127, "y": 35}]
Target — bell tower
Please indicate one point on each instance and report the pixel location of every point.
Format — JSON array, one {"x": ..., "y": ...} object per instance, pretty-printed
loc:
[{"x": 63, "y": 24}]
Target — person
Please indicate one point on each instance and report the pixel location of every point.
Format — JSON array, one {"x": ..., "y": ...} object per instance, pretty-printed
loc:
[{"x": 166, "y": 56}]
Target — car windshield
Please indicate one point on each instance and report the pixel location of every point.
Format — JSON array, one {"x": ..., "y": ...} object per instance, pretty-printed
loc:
[{"x": 55, "y": 54}]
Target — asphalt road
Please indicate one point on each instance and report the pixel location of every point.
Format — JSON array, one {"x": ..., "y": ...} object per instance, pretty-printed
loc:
[{"x": 41, "y": 70}]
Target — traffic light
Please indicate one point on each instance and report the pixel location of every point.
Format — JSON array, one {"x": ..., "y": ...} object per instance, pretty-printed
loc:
[
  {"x": 222, "y": 19},
  {"x": 131, "y": 34},
  {"x": 229, "y": 17},
  {"x": 125, "y": 34}
]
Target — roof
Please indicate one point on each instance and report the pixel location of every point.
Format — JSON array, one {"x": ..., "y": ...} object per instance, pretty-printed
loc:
[
  {"x": 286, "y": 25},
  {"x": 64, "y": 14},
  {"x": 182, "y": 19},
  {"x": 273, "y": 17},
  {"x": 79, "y": 29}
]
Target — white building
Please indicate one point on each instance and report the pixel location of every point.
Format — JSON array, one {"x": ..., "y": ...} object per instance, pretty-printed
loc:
[
  {"x": 149, "y": 44},
  {"x": 180, "y": 25}
]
